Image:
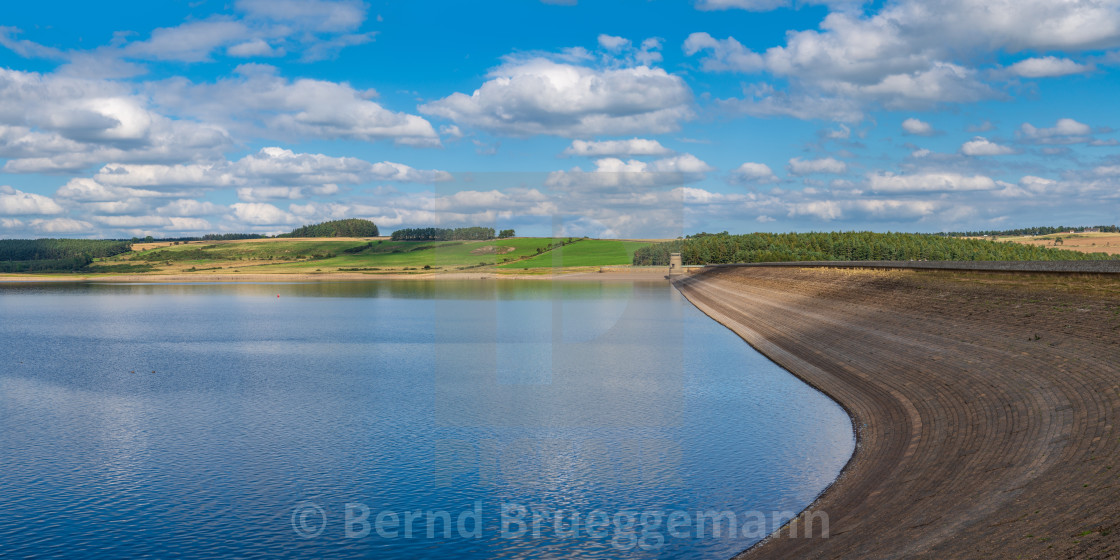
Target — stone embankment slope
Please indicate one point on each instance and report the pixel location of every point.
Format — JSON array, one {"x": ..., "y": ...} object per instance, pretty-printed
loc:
[{"x": 986, "y": 405}]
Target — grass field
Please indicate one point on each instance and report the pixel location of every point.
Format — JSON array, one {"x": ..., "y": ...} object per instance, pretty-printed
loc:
[
  {"x": 1082, "y": 242},
  {"x": 591, "y": 252},
  {"x": 323, "y": 255}
]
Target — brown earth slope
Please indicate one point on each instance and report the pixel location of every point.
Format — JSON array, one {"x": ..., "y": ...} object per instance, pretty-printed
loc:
[{"x": 986, "y": 405}]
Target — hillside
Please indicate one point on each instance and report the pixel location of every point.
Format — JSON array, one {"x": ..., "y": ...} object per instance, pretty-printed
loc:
[
  {"x": 722, "y": 248},
  {"x": 327, "y": 255}
]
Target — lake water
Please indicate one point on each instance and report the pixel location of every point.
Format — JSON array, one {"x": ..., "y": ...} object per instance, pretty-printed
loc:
[{"x": 220, "y": 420}]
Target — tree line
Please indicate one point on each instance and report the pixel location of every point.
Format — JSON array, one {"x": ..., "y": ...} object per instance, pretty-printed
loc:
[
  {"x": 353, "y": 227},
  {"x": 1038, "y": 230},
  {"x": 724, "y": 248},
  {"x": 46, "y": 255},
  {"x": 446, "y": 234}
]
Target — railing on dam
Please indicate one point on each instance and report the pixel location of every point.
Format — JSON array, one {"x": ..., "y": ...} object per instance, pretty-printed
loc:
[{"x": 1083, "y": 267}]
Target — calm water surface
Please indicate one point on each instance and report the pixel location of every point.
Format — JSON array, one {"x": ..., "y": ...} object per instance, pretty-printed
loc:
[{"x": 223, "y": 421}]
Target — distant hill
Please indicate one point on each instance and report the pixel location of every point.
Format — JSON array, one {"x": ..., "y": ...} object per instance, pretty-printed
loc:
[{"x": 354, "y": 227}]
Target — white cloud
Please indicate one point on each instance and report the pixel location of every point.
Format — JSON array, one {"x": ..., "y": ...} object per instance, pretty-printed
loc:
[
  {"x": 280, "y": 166},
  {"x": 87, "y": 190},
  {"x": 980, "y": 146},
  {"x": 451, "y": 131},
  {"x": 912, "y": 53},
  {"x": 925, "y": 182},
  {"x": 749, "y": 5},
  {"x": 726, "y": 54},
  {"x": 271, "y": 173},
  {"x": 767, "y": 5},
  {"x": 261, "y": 214},
  {"x": 917, "y": 127},
  {"x": 54, "y": 123},
  {"x": 317, "y": 15},
  {"x": 525, "y": 97},
  {"x": 254, "y": 48},
  {"x": 262, "y": 104},
  {"x": 613, "y": 43},
  {"x": 751, "y": 172},
  {"x": 798, "y": 166},
  {"x": 631, "y": 147},
  {"x": 865, "y": 209},
  {"x": 318, "y": 28},
  {"x": 189, "y": 42},
  {"x": 1064, "y": 131},
  {"x": 1048, "y": 67},
  {"x": 613, "y": 174},
  {"x": 842, "y": 133},
  {"x": 762, "y": 100},
  {"x": 61, "y": 225},
  {"x": 14, "y": 203},
  {"x": 186, "y": 207}
]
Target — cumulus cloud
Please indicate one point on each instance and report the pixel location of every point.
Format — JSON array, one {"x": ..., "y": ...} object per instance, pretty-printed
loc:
[
  {"x": 316, "y": 15},
  {"x": 53, "y": 123},
  {"x": 1064, "y": 131},
  {"x": 261, "y": 214},
  {"x": 61, "y": 225},
  {"x": 84, "y": 189},
  {"x": 525, "y": 97},
  {"x": 914, "y": 54},
  {"x": 257, "y": 28},
  {"x": 1047, "y": 67},
  {"x": 798, "y": 166},
  {"x": 917, "y": 127},
  {"x": 613, "y": 43},
  {"x": 271, "y": 173},
  {"x": 188, "y": 207},
  {"x": 14, "y": 202},
  {"x": 612, "y": 174},
  {"x": 751, "y": 172},
  {"x": 189, "y": 42},
  {"x": 884, "y": 182},
  {"x": 864, "y": 209},
  {"x": 631, "y": 147},
  {"x": 980, "y": 146},
  {"x": 254, "y": 48},
  {"x": 726, "y": 54},
  {"x": 262, "y": 104}
]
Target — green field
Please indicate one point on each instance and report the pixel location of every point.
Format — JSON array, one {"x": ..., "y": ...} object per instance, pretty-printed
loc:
[
  {"x": 374, "y": 255},
  {"x": 591, "y": 252}
]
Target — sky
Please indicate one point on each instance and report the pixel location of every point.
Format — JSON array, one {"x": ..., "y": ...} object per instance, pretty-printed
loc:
[{"x": 616, "y": 119}]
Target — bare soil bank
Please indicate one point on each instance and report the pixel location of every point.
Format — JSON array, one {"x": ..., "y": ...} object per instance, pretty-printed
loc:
[{"x": 986, "y": 405}]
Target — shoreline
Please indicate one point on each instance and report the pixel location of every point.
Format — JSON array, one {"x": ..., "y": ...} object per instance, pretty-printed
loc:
[
  {"x": 984, "y": 406},
  {"x": 580, "y": 275}
]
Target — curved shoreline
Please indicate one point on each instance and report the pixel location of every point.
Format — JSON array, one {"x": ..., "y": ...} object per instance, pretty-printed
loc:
[
  {"x": 985, "y": 410},
  {"x": 574, "y": 274}
]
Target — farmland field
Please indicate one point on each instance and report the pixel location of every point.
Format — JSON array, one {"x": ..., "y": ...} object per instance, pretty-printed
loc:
[
  {"x": 591, "y": 252},
  {"x": 311, "y": 255},
  {"x": 1082, "y": 242}
]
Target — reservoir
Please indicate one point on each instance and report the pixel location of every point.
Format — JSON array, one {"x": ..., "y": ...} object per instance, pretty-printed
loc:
[{"x": 395, "y": 419}]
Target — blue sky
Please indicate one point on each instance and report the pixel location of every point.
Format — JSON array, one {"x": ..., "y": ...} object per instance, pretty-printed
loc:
[{"x": 615, "y": 119}]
